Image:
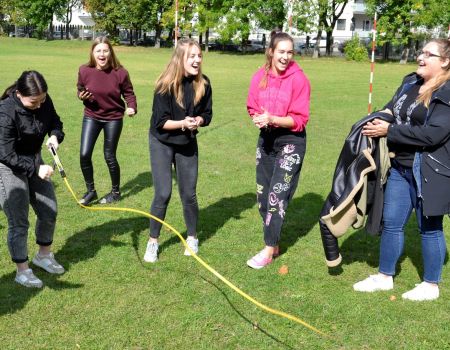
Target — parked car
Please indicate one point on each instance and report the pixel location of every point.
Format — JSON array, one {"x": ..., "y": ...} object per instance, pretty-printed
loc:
[{"x": 252, "y": 46}]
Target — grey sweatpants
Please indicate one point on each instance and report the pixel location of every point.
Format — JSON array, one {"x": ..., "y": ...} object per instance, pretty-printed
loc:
[{"x": 17, "y": 192}]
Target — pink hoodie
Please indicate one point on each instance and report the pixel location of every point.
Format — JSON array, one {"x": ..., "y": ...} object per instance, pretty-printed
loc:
[{"x": 285, "y": 95}]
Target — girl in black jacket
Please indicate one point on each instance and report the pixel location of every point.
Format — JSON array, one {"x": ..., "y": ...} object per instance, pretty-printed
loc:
[
  {"x": 419, "y": 178},
  {"x": 27, "y": 115},
  {"x": 182, "y": 103}
]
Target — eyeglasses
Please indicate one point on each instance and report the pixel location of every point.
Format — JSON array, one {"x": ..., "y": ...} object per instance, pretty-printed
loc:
[{"x": 427, "y": 54}]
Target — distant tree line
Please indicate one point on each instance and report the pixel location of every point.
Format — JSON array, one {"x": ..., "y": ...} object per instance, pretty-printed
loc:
[{"x": 400, "y": 22}]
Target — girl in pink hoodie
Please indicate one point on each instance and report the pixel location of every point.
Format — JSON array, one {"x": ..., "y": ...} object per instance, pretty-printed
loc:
[{"x": 278, "y": 103}]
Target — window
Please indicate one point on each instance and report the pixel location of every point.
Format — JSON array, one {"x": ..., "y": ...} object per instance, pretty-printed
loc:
[
  {"x": 341, "y": 23},
  {"x": 366, "y": 26}
]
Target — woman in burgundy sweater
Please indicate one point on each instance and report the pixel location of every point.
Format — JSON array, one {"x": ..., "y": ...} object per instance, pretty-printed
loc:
[{"x": 102, "y": 83}]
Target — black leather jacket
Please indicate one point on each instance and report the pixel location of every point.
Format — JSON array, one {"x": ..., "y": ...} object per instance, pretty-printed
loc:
[
  {"x": 353, "y": 164},
  {"x": 22, "y": 133}
]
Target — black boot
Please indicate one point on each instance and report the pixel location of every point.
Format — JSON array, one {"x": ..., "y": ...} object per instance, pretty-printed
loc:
[
  {"x": 111, "y": 197},
  {"x": 90, "y": 195}
]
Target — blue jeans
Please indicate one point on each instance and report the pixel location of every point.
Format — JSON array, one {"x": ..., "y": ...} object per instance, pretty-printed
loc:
[{"x": 399, "y": 201}]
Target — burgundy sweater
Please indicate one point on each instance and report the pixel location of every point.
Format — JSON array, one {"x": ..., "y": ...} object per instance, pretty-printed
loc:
[{"x": 107, "y": 88}]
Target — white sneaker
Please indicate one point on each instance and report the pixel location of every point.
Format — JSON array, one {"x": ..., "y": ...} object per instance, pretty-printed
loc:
[
  {"x": 193, "y": 244},
  {"x": 422, "y": 291},
  {"x": 151, "y": 253},
  {"x": 48, "y": 263},
  {"x": 374, "y": 283},
  {"x": 28, "y": 279}
]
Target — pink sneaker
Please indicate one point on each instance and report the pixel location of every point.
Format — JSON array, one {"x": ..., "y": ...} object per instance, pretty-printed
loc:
[{"x": 259, "y": 261}]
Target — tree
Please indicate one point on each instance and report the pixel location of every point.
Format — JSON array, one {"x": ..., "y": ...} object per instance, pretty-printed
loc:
[
  {"x": 399, "y": 20},
  {"x": 321, "y": 15},
  {"x": 38, "y": 13},
  {"x": 64, "y": 13}
]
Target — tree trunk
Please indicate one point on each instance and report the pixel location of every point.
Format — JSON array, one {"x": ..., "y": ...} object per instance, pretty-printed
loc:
[
  {"x": 158, "y": 36},
  {"x": 329, "y": 47},
  {"x": 405, "y": 54},
  {"x": 207, "y": 40},
  {"x": 316, "y": 53}
]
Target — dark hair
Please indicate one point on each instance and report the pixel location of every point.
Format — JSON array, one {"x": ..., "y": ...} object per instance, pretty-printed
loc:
[
  {"x": 30, "y": 83},
  {"x": 112, "y": 61},
  {"x": 275, "y": 37}
]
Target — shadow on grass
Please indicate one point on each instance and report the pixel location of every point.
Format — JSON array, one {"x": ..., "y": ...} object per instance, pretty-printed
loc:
[
  {"x": 136, "y": 185},
  {"x": 215, "y": 216},
  {"x": 14, "y": 297},
  {"x": 302, "y": 215},
  {"x": 254, "y": 325},
  {"x": 362, "y": 247}
]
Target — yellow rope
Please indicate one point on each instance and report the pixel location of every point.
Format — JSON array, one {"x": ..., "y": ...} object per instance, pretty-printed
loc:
[{"x": 195, "y": 256}]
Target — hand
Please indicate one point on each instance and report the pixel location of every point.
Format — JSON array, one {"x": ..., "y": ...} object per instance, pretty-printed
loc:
[
  {"x": 85, "y": 95},
  {"x": 130, "y": 112},
  {"x": 45, "y": 171},
  {"x": 376, "y": 128},
  {"x": 262, "y": 120},
  {"x": 199, "y": 120},
  {"x": 190, "y": 123},
  {"x": 52, "y": 141}
]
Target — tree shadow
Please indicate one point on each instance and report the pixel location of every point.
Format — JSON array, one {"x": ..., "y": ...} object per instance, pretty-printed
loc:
[
  {"x": 215, "y": 216},
  {"x": 136, "y": 185},
  {"x": 81, "y": 246},
  {"x": 301, "y": 217}
]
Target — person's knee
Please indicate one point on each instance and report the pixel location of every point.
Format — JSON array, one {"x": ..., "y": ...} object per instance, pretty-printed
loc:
[{"x": 162, "y": 198}]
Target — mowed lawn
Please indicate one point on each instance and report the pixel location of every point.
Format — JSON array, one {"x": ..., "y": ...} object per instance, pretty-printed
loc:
[{"x": 110, "y": 299}]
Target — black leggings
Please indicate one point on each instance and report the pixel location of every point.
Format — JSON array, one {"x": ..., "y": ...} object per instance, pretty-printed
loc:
[
  {"x": 89, "y": 134},
  {"x": 185, "y": 160}
]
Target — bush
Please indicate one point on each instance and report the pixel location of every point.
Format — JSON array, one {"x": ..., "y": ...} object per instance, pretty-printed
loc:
[{"x": 355, "y": 51}]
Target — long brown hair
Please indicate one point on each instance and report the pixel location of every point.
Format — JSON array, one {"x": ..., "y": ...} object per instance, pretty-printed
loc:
[
  {"x": 30, "y": 83},
  {"x": 170, "y": 80},
  {"x": 275, "y": 38},
  {"x": 113, "y": 61},
  {"x": 444, "y": 52}
]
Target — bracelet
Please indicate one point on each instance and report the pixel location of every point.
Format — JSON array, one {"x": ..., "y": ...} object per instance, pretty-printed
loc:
[{"x": 182, "y": 125}]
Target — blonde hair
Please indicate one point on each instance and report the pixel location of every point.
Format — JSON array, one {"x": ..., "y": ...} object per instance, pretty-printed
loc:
[
  {"x": 444, "y": 52},
  {"x": 113, "y": 62},
  {"x": 275, "y": 39},
  {"x": 170, "y": 80}
]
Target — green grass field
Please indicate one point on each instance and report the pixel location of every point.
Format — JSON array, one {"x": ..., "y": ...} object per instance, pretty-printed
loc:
[{"x": 110, "y": 299}]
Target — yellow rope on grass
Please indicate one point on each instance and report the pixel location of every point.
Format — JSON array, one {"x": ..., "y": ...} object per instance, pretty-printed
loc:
[{"x": 195, "y": 256}]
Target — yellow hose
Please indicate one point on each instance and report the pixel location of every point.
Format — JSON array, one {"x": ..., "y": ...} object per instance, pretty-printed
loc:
[{"x": 195, "y": 256}]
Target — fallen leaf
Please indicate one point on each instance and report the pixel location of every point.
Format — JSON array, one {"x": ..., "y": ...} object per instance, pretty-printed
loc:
[
  {"x": 392, "y": 298},
  {"x": 284, "y": 270}
]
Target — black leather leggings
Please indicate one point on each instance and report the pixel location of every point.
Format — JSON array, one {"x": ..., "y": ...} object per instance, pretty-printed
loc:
[{"x": 89, "y": 134}]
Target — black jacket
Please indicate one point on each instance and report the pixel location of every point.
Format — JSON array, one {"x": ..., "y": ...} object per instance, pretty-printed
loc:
[
  {"x": 358, "y": 163},
  {"x": 433, "y": 140},
  {"x": 22, "y": 133},
  {"x": 165, "y": 107}
]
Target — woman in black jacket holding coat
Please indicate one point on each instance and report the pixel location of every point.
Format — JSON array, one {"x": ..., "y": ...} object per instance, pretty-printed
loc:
[
  {"x": 419, "y": 178},
  {"x": 27, "y": 115}
]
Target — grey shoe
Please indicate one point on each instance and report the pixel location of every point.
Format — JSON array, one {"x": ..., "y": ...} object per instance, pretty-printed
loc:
[
  {"x": 151, "y": 253},
  {"x": 28, "y": 279},
  {"x": 193, "y": 244},
  {"x": 48, "y": 263}
]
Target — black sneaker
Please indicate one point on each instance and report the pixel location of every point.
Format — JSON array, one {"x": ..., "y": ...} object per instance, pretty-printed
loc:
[
  {"x": 88, "y": 198},
  {"x": 111, "y": 197}
]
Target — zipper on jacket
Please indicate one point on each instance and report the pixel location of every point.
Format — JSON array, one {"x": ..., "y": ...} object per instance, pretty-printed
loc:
[{"x": 438, "y": 161}]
